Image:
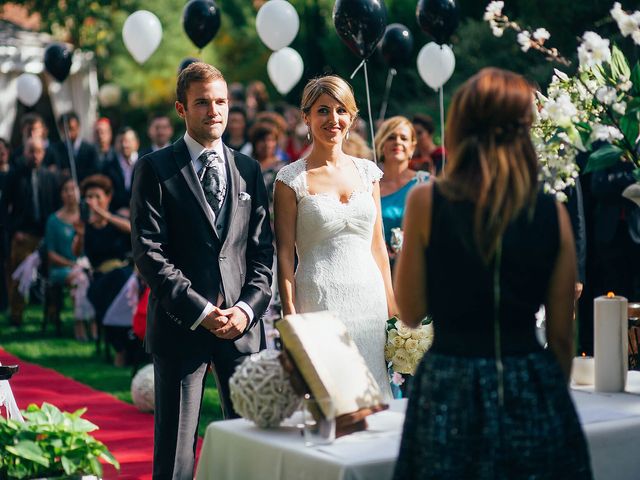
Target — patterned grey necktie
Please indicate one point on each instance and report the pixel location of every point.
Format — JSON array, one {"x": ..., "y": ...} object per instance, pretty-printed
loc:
[{"x": 213, "y": 182}]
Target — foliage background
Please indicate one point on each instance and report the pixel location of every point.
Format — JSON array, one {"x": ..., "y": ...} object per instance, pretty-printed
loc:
[{"x": 239, "y": 53}]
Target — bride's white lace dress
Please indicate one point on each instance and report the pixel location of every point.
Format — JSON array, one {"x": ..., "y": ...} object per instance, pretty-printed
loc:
[{"x": 336, "y": 269}]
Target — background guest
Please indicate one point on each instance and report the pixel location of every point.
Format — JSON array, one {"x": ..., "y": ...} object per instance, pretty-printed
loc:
[
  {"x": 428, "y": 155},
  {"x": 103, "y": 142},
  {"x": 30, "y": 196},
  {"x": 486, "y": 384},
  {"x": 120, "y": 171},
  {"x": 235, "y": 136},
  {"x": 32, "y": 126},
  {"x": 105, "y": 239},
  {"x": 159, "y": 132},
  {"x": 85, "y": 155},
  {"x": 395, "y": 144}
]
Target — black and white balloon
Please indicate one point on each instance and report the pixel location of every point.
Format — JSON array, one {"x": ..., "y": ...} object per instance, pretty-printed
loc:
[
  {"x": 201, "y": 21},
  {"x": 57, "y": 61},
  {"x": 360, "y": 24}
]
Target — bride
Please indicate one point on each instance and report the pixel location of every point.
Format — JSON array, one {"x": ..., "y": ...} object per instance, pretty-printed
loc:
[{"x": 327, "y": 208}]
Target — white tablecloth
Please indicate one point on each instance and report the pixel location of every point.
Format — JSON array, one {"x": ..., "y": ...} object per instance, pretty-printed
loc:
[{"x": 238, "y": 450}]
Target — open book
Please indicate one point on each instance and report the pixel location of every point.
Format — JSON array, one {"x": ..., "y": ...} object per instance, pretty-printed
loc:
[{"x": 329, "y": 361}]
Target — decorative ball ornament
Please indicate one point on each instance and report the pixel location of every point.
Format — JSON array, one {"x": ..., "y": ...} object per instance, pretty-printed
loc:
[
  {"x": 142, "y": 391},
  {"x": 261, "y": 390}
]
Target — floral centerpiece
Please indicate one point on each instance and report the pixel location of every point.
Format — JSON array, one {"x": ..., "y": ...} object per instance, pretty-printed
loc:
[
  {"x": 406, "y": 346},
  {"x": 50, "y": 443},
  {"x": 594, "y": 110}
]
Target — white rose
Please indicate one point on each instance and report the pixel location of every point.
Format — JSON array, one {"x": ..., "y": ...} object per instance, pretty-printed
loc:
[
  {"x": 389, "y": 351},
  {"x": 402, "y": 362},
  {"x": 403, "y": 330},
  {"x": 397, "y": 342},
  {"x": 391, "y": 334},
  {"x": 411, "y": 345}
]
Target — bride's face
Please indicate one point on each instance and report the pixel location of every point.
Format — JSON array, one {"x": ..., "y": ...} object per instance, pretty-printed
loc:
[{"x": 328, "y": 120}]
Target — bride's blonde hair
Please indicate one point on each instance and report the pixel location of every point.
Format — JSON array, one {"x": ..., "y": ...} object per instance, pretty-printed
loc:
[{"x": 333, "y": 86}]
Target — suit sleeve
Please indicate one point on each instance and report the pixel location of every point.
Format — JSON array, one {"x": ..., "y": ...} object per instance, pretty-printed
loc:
[
  {"x": 256, "y": 291},
  {"x": 149, "y": 237}
]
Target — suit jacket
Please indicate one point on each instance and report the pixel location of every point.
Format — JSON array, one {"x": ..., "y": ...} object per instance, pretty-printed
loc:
[
  {"x": 606, "y": 187},
  {"x": 121, "y": 196},
  {"x": 86, "y": 159},
  {"x": 17, "y": 204},
  {"x": 185, "y": 258}
]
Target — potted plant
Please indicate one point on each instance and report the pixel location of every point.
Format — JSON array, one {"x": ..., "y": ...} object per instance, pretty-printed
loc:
[{"x": 50, "y": 444}]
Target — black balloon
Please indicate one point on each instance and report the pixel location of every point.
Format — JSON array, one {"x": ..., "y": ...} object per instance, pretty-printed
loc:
[
  {"x": 57, "y": 61},
  {"x": 186, "y": 62},
  {"x": 360, "y": 24},
  {"x": 201, "y": 21},
  {"x": 397, "y": 45},
  {"x": 438, "y": 18}
]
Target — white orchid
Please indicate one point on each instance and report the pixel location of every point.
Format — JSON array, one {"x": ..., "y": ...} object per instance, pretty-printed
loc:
[{"x": 593, "y": 51}]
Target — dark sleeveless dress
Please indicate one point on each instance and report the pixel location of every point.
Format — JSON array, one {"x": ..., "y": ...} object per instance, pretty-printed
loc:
[{"x": 464, "y": 419}]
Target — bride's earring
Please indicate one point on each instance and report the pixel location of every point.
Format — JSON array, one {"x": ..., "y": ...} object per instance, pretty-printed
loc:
[
  {"x": 308, "y": 133},
  {"x": 346, "y": 137}
]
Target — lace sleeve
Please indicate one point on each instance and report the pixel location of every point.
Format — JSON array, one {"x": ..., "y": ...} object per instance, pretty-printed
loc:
[
  {"x": 369, "y": 171},
  {"x": 292, "y": 176}
]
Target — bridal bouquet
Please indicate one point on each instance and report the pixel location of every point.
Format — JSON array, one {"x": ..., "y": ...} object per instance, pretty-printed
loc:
[
  {"x": 406, "y": 346},
  {"x": 594, "y": 110}
]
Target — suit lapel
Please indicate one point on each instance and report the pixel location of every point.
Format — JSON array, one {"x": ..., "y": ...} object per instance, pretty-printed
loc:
[
  {"x": 233, "y": 190},
  {"x": 183, "y": 159}
]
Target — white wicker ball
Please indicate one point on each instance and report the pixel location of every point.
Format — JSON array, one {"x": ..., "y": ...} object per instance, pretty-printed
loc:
[
  {"x": 142, "y": 391},
  {"x": 261, "y": 390}
]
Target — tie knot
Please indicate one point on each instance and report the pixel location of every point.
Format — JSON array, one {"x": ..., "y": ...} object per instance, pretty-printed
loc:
[{"x": 208, "y": 158}]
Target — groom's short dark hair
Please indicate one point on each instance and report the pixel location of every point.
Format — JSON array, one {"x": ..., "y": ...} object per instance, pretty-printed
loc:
[{"x": 196, "y": 72}]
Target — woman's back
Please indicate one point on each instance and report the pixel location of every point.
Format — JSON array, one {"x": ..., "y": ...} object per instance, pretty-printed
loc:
[{"x": 461, "y": 285}]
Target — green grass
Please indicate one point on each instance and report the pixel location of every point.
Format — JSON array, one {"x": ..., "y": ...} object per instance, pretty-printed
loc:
[{"x": 79, "y": 360}]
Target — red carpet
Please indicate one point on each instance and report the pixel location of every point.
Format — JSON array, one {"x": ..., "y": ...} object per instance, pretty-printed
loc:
[{"x": 127, "y": 432}]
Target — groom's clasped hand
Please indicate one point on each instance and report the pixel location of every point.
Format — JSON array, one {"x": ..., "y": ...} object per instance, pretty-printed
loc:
[{"x": 226, "y": 323}]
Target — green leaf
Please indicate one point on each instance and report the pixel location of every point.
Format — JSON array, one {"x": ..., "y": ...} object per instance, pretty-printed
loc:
[
  {"x": 605, "y": 157},
  {"x": 629, "y": 127},
  {"x": 636, "y": 174},
  {"x": 29, "y": 451},
  {"x": 619, "y": 64},
  {"x": 633, "y": 105},
  {"x": 635, "y": 79}
]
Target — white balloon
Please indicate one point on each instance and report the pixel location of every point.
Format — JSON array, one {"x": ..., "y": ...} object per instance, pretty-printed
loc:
[
  {"x": 436, "y": 64},
  {"x": 142, "y": 33},
  {"x": 109, "y": 95},
  {"x": 29, "y": 89},
  {"x": 277, "y": 24},
  {"x": 285, "y": 69}
]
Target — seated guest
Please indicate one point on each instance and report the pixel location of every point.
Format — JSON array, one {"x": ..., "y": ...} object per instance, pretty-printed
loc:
[
  {"x": 395, "y": 143},
  {"x": 30, "y": 196},
  {"x": 105, "y": 239},
  {"x": 103, "y": 142},
  {"x": 160, "y": 132},
  {"x": 5, "y": 151},
  {"x": 428, "y": 156},
  {"x": 483, "y": 249},
  {"x": 59, "y": 234},
  {"x": 120, "y": 170},
  {"x": 32, "y": 126},
  {"x": 84, "y": 154}
]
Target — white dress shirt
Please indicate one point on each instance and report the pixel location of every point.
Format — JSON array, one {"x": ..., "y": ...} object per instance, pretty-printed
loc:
[
  {"x": 195, "y": 150},
  {"x": 127, "y": 168}
]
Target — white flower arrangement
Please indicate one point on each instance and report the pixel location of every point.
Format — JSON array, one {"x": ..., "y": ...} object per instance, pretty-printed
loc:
[
  {"x": 599, "y": 104},
  {"x": 406, "y": 346}
]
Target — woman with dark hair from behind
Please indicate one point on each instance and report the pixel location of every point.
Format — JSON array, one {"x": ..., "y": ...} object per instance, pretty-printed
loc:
[{"x": 487, "y": 401}]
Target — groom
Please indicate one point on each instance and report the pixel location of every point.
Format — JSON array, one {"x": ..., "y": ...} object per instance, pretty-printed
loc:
[{"x": 202, "y": 241}]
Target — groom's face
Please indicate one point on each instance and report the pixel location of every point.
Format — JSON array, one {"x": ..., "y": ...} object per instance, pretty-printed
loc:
[{"x": 205, "y": 111}]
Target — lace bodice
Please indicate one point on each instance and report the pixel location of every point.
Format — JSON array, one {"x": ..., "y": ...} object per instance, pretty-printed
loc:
[{"x": 336, "y": 269}]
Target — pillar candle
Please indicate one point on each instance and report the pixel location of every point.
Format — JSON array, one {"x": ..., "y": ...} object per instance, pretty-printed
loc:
[
  {"x": 610, "y": 343},
  {"x": 582, "y": 370}
]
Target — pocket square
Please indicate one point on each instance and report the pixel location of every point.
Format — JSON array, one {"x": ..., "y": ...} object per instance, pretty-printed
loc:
[{"x": 243, "y": 196}]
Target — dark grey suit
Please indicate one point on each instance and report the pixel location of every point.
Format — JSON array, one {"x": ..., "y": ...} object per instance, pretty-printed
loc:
[{"x": 186, "y": 257}]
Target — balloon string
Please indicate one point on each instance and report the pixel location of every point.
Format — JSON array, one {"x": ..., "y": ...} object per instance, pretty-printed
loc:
[
  {"x": 357, "y": 68},
  {"x": 444, "y": 151},
  {"x": 383, "y": 109},
  {"x": 72, "y": 161},
  {"x": 366, "y": 84}
]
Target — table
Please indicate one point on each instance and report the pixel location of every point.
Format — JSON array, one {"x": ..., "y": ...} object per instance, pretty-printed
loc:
[{"x": 238, "y": 450}]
